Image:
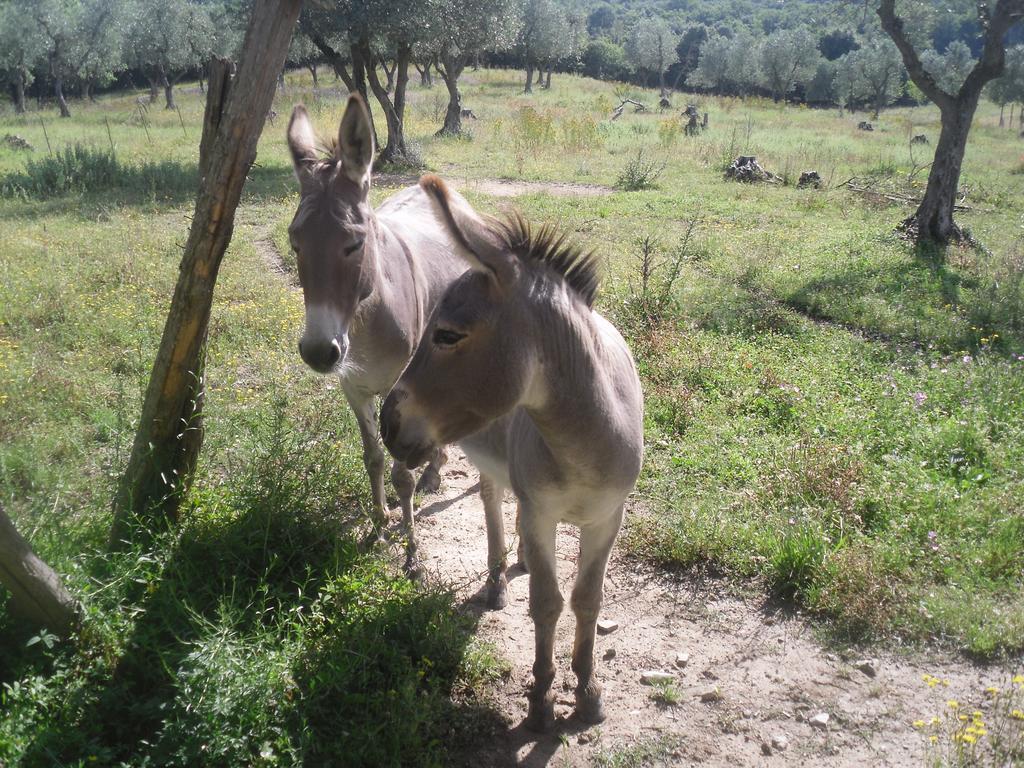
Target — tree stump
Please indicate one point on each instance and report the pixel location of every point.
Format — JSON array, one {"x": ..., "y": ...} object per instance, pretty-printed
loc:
[
  {"x": 747, "y": 170},
  {"x": 864, "y": 125},
  {"x": 809, "y": 179},
  {"x": 919, "y": 139}
]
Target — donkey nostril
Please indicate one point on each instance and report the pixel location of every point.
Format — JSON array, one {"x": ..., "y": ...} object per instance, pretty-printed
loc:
[{"x": 334, "y": 353}]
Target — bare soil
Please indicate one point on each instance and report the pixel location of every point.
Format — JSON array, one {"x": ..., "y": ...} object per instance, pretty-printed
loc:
[
  {"x": 771, "y": 674},
  {"x": 502, "y": 187}
]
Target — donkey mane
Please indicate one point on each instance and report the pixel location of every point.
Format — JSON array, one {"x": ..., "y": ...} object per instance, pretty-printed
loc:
[
  {"x": 550, "y": 246},
  {"x": 546, "y": 245}
]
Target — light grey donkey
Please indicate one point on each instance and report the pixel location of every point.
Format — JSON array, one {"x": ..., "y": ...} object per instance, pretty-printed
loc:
[
  {"x": 543, "y": 395},
  {"x": 370, "y": 280}
]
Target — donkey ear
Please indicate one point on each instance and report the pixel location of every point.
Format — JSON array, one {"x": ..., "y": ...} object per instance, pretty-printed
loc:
[
  {"x": 485, "y": 249},
  {"x": 355, "y": 139},
  {"x": 302, "y": 141}
]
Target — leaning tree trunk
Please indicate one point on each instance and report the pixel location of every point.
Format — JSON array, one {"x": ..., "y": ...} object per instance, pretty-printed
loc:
[
  {"x": 529, "y": 78},
  {"x": 547, "y": 80},
  {"x": 36, "y": 590},
  {"x": 312, "y": 71},
  {"x": 58, "y": 90},
  {"x": 1002, "y": 109},
  {"x": 934, "y": 217},
  {"x": 170, "y": 430}
]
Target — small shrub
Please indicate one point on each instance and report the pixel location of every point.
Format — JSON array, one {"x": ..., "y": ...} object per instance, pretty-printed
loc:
[
  {"x": 796, "y": 560},
  {"x": 669, "y": 131},
  {"x": 640, "y": 173},
  {"x": 578, "y": 134}
]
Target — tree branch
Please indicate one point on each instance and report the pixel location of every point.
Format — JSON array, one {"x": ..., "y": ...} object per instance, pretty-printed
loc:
[{"x": 893, "y": 26}]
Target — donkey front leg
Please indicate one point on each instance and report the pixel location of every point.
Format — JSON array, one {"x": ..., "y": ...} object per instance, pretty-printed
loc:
[
  {"x": 430, "y": 480},
  {"x": 364, "y": 407},
  {"x": 497, "y": 560},
  {"x": 402, "y": 477},
  {"x": 596, "y": 540},
  {"x": 545, "y": 608}
]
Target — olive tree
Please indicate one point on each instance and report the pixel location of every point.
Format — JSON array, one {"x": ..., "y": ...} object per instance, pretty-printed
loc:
[
  {"x": 1009, "y": 88},
  {"x": 712, "y": 70},
  {"x": 166, "y": 40},
  {"x": 22, "y": 48},
  {"x": 878, "y": 73},
  {"x": 950, "y": 68},
  {"x": 651, "y": 47},
  {"x": 933, "y": 220},
  {"x": 542, "y": 37},
  {"x": 787, "y": 57},
  {"x": 466, "y": 28}
]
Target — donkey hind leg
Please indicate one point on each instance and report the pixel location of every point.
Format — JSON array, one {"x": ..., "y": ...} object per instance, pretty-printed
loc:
[
  {"x": 402, "y": 478},
  {"x": 545, "y": 608},
  {"x": 497, "y": 559},
  {"x": 430, "y": 480},
  {"x": 365, "y": 409},
  {"x": 596, "y": 540}
]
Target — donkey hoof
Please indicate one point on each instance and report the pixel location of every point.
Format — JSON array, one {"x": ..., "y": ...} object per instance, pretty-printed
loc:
[
  {"x": 429, "y": 483},
  {"x": 590, "y": 709},
  {"x": 541, "y": 716},
  {"x": 497, "y": 593}
]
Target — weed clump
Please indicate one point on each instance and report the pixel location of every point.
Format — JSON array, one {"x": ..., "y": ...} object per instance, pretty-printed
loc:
[
  {"x": 639, "y": 173},
  {"x": 82, "y": 169}
]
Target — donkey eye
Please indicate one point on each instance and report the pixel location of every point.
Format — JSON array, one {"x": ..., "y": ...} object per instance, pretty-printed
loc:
[
  {"x": 445, "y": 338},
  {"x": 354, "y": 247}
]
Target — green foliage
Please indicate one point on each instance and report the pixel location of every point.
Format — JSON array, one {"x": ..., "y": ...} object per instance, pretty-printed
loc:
[
  {"x": 640, "y": 172},
  {"x": 85, "y": 170}
]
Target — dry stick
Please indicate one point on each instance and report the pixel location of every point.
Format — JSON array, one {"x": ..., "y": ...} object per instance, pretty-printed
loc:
[
  {"x": 45, "y": 134},
  {"x": 145, "y": 124},
  {"x": 182, "y": 121},
  {"x": 109, "y": 136}
]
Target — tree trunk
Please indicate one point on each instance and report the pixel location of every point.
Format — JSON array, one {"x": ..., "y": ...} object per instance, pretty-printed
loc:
[
  {"x": 280, "y": 81},
  {"x": 1002, "y": 107},
  {"x": 547, "y": 80},
  {"x": 58, "y": 90},
  {"x": 312, "y": 71},
  {"x": 154, "y": 92},
  {"x": 450, "y": 72},
  {"x": 426, "y": 81},
  {"x": 36, "y": 590},
  {"x": 389, "y": 75},
  {"x": 661, "y": 82},
  {"x": 934, "y": 217},
  {"x": 170, "y": 430},
  {"x": 529, "y": 78},
  {"x": 88, "y": 91},
  {"x": 394, "y": 109},
  {"x": 19, "y": 95},
  {"x": 169, "y": 94}
]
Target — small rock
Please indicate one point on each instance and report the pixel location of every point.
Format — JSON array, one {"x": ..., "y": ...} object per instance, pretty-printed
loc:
[
  {"x": 868, "y": 666},
  {"x": 609, "y": 654},
  {"x": 606, "y": 626},
  {"x": 766, "y": 749},
  {"x": 682, "y": 659},
  {"x": 780, "y": 742},
  {"x": 819, "y": 721},
  {"x": 712, "y": 696},
  {"x": 585, "y": 738},
  {"x": 655, "y": 676}
]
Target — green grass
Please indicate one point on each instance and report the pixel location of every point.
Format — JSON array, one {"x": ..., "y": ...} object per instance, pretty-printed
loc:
[{"x": 830, "y": 417}]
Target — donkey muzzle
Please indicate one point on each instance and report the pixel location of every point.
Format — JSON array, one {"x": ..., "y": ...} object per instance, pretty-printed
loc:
[
  {"x": 402, "y": 445},
  {"x": 322, "y": 358}
]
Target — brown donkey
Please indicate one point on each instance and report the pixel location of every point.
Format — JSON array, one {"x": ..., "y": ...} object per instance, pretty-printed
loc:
[
  {"x": 370, "y": 280},
  {"x": 542, "y": 394}
]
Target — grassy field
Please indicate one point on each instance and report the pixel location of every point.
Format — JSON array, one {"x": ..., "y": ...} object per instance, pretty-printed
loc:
[{"x": 830, "y": 416}]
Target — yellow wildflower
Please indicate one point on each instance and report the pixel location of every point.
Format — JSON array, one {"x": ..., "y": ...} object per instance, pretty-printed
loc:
[
  {"x": 952, "y": 704},
  {"x": 933, "y": 739},
  {"x": 919, "y": 723},
  {"x": 1017, "y": 714},
  {"x": 1018, "y": 679},
  {"x": 992, "y": 690}
]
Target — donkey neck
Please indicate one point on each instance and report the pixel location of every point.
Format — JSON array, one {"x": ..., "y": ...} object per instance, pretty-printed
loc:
[
  {"x": 391, "y": 276},
  {"x": 572, "y": 398}
]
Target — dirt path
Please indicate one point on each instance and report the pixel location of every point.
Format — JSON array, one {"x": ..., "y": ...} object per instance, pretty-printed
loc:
[
  {"x": 770, "y": 674},
  {"x": 753, "y": 678}
]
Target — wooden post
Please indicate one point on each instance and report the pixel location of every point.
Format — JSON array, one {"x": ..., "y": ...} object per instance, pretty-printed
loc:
[
  {"x": 170, "y": 431},
  {"x": 36, "y": 590}
]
